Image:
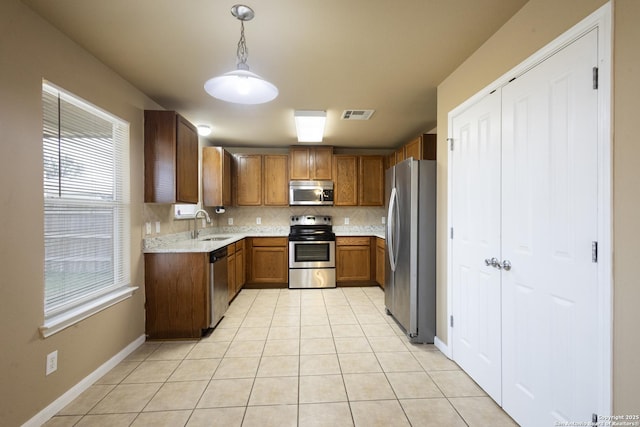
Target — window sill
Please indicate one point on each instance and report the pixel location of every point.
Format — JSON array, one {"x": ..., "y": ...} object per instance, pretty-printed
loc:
[{"x": 64, "y": 320}]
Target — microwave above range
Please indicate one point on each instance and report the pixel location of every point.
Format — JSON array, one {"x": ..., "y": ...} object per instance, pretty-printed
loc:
[{"x": 311, "y": 193}]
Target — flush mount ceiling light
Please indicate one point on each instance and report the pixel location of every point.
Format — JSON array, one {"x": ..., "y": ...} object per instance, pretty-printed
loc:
[
  {"x": 204, "y": 130},
  {"x": 241, "y": 86},
  {"x": 310, "y": 125}
]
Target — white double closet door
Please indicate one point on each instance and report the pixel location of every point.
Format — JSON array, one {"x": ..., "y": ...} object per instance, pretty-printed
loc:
[{"x": 524, "y": 192}]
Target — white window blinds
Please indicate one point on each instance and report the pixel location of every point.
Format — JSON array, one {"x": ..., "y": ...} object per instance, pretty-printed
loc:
[{"x": 86, "y": 203}]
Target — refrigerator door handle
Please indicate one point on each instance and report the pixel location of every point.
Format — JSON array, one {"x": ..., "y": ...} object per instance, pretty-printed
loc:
[{"x": 392, "y": 228}]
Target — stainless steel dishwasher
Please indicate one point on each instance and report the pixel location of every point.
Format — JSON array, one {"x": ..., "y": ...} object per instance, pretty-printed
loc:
[{"x": 218, "y": 289}]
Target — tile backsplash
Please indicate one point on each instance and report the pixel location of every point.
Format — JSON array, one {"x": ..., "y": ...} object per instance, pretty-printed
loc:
[{"x": 269, "y": 217}]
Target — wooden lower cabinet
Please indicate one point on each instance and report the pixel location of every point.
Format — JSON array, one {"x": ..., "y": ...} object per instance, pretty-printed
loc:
[
  {"x": 235, "y": 268},
  {"x": 231, "y": 271},
  {"x": 177, "y": 295},
  {"x": 353, "y": 259},
  {"x": 268, "y": 260},
  {"x": 240, "y": 266},
  {"x": 380, "y": 261}
]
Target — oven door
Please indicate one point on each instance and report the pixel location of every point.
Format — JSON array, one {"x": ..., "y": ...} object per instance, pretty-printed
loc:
[{"x": 312, "y": 254}]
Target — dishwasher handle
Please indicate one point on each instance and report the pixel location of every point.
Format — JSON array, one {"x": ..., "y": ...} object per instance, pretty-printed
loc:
[{"x": 217, "y": 255}]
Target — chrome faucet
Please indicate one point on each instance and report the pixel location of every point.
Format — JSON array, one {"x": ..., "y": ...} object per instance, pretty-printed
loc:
[{"x": 195, "y": 222}]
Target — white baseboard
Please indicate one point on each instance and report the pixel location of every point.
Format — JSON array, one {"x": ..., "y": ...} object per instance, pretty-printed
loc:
[
  {"x": 43, "y": 416},
  {"x": 442, "y": 347}
]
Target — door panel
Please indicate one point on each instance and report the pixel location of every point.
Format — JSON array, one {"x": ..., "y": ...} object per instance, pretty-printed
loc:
[
  {"x": 476, "y": 219},
  {"x": 403, "y": 273},
  {"x": 549, "y": 212}
]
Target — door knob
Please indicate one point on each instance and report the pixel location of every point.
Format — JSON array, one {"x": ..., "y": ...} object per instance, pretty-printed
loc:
[
  {"x": 493, "y": 262},
  {"x": 506, "y": 264}
]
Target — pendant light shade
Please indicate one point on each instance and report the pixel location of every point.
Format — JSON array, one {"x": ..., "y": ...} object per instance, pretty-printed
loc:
[{"x": 241, "y": 86}]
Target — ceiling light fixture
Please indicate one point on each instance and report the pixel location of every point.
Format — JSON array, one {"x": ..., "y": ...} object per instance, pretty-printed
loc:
[
  {"x": 241, "y": 86},
  {"x": 204, "y": 130},
  {"x": 310, "y": 125}
]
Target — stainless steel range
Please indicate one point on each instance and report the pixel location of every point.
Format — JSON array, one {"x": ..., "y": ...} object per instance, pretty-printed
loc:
[{"x": 312, "y": 252}]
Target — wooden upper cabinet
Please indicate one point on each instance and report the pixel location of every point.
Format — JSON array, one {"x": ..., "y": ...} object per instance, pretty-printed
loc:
[
  {"x": 248, "y": 179},
  {"x": 170, "y": 158},
  {"x": 276, "y": 180},
  {"x": 299, "y": 163},
  {"x": 216, "y": 176},
  {"x": 391, "y": 160},
  {"x": 345, "y": 180},
  {"x": 321, "y": 160},
  {"x": 400, "y": 155},
  {"x": 371, "y": 188},
  {"x": 422, "y": 148},
  {"x": 310, "y": 163}
]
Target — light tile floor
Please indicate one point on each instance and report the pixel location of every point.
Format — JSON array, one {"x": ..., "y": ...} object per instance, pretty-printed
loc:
[{"x": 281, "y": 357}]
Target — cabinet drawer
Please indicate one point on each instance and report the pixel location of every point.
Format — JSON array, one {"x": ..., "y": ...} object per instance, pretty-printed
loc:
[
  {"x": 240, "y": 245},
  {"x": 270, "y": 241},
  {"x": 352, "y": 241},
  {"x": 380, "y": 242},
  {"x": 231, "y": 249}
]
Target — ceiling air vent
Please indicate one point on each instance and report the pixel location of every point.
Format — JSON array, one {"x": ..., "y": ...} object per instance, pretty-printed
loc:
[{"x": 357, "y": 114}]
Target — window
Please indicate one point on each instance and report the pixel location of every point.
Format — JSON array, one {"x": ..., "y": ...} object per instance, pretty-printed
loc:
[{"x": 86, "y": 209}]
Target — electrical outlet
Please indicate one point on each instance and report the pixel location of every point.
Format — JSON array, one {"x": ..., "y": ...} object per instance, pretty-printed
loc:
[
  {"x": 230, "y": 221},
  {"x": 52, "y": 362},
  {"x": 148, "y": 227},
  {"x": 258, "y": 220},
  {"x": 157, "y": 226},
  {"x": 383, "y": 220},
  {"x": 346, "y": 220}
]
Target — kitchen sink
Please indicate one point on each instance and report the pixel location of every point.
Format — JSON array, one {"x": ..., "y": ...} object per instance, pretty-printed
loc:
[{"x": 216, "y": 238}]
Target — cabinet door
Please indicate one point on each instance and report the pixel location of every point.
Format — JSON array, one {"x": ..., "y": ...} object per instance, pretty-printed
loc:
[
  {"x": 231, "y": 275},
  {"x": 380, "y": 261},
  {"x": 276, "y": 180},
  {"x": 422, "y": 148},
  {"x": 391, "y": 160},
  {"x": 216, "y": 176},
  {"x": 249, "y": 179},
  {"x": 177, "y": 295},
  {"x": 321, "y": 160},
  {"x": 371, "y": 181},
  {"x": 299, "y": 163},
  {"x": 353, "y": 259},
  {"x": 240, "y": 274},
  {"x": 345, "y": 176},
  {"x": 267, "y": 259},
  {"x": 400, "y": 154},
  {"x": 186, "y": 161},
  {"x": 414, "y": 149},
  {"x": 170, "y": 158},
  {"x": 269, "y": 264}
]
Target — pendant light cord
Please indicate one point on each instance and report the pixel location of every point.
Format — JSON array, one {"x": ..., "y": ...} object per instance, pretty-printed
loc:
[{"x": 242, "y": 52}]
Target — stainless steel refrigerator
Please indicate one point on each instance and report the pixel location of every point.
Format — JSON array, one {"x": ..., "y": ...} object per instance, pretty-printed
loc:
[{"x": 410, "y": 270}]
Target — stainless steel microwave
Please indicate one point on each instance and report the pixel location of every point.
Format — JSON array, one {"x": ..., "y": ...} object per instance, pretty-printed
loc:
[{"x": 310, "y": 193}]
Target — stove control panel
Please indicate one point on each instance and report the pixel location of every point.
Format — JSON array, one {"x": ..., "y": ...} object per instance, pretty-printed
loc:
[{"x": 310, "y": 220}]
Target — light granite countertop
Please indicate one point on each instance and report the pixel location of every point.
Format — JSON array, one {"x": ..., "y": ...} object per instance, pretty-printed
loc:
[{"x": 215, "y": 238}]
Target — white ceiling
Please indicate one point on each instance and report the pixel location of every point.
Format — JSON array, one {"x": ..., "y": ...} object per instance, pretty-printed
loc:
[{"x": 321, "y": 54}]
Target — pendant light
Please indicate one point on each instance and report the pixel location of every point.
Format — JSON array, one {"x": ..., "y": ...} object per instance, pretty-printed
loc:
[{"x": 241, "y": 86}]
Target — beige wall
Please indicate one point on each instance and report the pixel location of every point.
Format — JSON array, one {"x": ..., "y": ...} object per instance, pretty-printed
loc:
[
  {"x": 535, "y": 25},
  {"x": 31, "y": 50}
]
